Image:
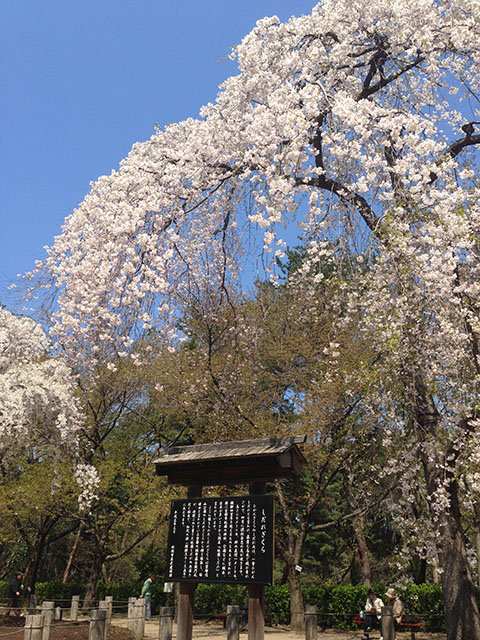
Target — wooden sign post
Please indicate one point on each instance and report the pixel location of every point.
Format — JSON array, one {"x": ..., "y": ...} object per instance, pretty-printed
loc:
[
  {"x": 187, "y": 591},
  {"x": 229, "y": 540},
  {"x": 256, "y": 593}
]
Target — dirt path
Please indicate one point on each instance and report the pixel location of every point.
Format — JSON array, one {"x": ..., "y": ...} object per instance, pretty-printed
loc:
[{"x": 216, "y": 631}]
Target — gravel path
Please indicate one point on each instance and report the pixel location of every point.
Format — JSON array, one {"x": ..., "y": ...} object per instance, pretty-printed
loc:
[{"x": 215, "y": 630}]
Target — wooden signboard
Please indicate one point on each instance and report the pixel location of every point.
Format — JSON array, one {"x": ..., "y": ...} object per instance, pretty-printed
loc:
[{"x": 221, "y": 540}]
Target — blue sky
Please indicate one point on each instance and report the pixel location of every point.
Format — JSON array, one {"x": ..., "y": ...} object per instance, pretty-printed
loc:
[{"x": 82, "y": 80}]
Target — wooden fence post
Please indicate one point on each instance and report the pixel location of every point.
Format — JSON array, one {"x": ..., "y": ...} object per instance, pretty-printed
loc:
[
  {"x": 165, "y": 623},
  {"x": 96, "y": 630},
  {"x": 103, "y": 605},
  {"x": 33, "y": 627},
  {"x": 74, "y": 608},
  {"x": 109, "y": 601},
  {"x": 47, "y": 613},
  {"x": 310, "y": 622},
  {"x": 139, "y": 618},
  {"x": 131, "y": 613},
  {"x": 233, "y": 614},
  {"x": 388, "y": 627}
]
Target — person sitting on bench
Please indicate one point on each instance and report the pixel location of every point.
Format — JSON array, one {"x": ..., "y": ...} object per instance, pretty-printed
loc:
[
  {"x": 373, "y": 614},
  {"x": 397, "y": 606}
]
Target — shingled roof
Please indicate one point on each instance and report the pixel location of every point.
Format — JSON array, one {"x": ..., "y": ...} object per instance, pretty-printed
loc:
[{"x": 237, "y": 462}]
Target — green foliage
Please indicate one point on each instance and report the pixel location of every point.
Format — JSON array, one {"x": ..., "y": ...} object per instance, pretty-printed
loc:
[
  {"x": 120, "y": 592},
  {"x": 214, "y": 598},
  {"x": 59, "y": 592},
  {"x": 277, "y": 604},
  {"x": 337, "y": 604},
  {"x": 427, "y": 601},
  {"x": 3, "y": 589}
]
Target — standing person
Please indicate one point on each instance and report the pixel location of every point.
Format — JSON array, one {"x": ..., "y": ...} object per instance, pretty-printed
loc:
[
  {"x": 15, "y": 594},
  {"x": 373, "y": 614},
  {"x": 147, "y": 594},
  {"x": 397, "y": 606}
]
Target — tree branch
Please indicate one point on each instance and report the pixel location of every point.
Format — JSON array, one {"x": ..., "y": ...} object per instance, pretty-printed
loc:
[{"x": 459, "y": 145}]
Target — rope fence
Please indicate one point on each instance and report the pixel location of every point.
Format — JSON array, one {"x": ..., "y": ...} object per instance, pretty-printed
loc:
[{"x": 122, "y": 605}]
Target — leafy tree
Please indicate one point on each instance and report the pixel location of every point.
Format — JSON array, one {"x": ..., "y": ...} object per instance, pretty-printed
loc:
[
  {"x": 40, "y": 424},
  {"x": 35, "y": 499},
  {"x": 122, "y": 435},
  {"x": 258, "y": 366}
]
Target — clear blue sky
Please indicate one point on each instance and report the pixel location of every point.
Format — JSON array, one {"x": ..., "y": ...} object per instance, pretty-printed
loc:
[{"x": 82, "y": 80}]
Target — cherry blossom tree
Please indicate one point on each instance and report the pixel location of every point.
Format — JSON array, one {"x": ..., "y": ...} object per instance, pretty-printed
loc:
[
  {"x": 39, "y": 410},
  {"x": 360, "y": 122},
  {"x": 37, "y": 392}
]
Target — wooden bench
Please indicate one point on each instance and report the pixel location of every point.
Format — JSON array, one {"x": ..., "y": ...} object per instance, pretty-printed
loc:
[
  {"x": 220, "y": 616},
  {"x": 401, "y": 626},
  {"x": 411, "y": 626}
]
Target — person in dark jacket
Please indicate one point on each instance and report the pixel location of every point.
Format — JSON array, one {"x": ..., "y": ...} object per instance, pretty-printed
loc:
[{"x": 15, "y": 594}]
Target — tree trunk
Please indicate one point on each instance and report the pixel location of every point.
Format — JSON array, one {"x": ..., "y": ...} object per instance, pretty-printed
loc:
[
  {"x": 436, "y": 577},
  {"x": 477, "y": 539},
  {"x": 297, "y": 612},
  {"x": 95, "y": 574},
  {"x": 461, "y": 609},
  {"x": 419, "y": 569},
  {"x": 37, "y": 552},
  {"x": 358, "y": 524},
  {"x": 73, "y": 552},
  {"x": 462, "y": 615}
]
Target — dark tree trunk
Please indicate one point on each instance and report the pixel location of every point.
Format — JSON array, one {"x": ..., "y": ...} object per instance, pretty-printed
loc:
[
  {"x": 462, "y": 615},
  {"x": 359, "y": 530},
  {"x": 31, "y": 576},
  {"x": 358, "y": 524},
  {"x": 461, "y": 609},
  {"x": 95, "y": 573},
  {"x": 73, "y": 552},
  {"x": 419, "y": 570}
]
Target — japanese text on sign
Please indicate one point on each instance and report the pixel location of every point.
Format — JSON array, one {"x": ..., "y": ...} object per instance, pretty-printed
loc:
[{"x": 221, "y": 540}]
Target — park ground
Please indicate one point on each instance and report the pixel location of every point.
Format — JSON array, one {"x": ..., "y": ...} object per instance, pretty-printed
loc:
[
  {"x": 214, "y": 629},
  {"x": 119, "y": 631}
]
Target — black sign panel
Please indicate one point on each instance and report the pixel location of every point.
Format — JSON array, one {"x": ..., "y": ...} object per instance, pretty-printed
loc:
[{"x": 221, "y": 540}]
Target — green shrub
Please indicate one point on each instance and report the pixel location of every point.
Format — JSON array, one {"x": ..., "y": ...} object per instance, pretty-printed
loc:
[
  {"x": 336, "y": 604},
  {"x": 120, "y": 592},
  {"x": 214, "y": 598},
  {"x": 277, "y": 604},
  {"x": 59, "y": 592},
  {"x": 427, "y": 601}
]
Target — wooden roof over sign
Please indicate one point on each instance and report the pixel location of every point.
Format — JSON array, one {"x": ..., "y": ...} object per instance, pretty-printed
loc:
[{"x": 228, "y": 463}]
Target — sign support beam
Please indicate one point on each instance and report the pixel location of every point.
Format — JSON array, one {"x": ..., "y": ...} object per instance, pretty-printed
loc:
[
  {"x": 256, "y": 592},
  {"x": 186, "y": 591}
]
